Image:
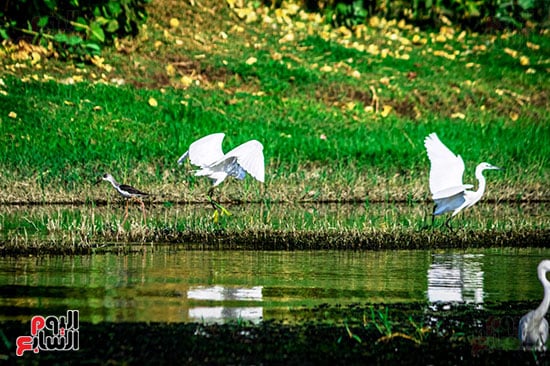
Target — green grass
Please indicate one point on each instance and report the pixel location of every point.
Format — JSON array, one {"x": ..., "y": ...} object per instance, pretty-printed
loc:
[
  {"x": 89, "y": 228},
  {"x": 311, "y": 102}
]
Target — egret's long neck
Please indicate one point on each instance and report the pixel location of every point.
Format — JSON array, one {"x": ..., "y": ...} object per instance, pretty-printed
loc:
[
  {"x": 481, "y": 181},
  {"x": 543, "y": 307}
]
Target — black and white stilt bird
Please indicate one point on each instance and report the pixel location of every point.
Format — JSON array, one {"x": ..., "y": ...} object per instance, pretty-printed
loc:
[{"x": 128, "y": 192}]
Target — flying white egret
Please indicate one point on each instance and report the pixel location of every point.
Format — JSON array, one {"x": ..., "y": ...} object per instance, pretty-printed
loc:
[
  {"x": 448, "y": 191},
  {"x": 128, "y": 192},
  {"x": 533, "y": 327},
  {"x": 207, "y": 154}
]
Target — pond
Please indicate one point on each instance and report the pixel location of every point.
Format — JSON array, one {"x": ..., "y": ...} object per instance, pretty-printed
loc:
[{"x": 168, "y": 284}]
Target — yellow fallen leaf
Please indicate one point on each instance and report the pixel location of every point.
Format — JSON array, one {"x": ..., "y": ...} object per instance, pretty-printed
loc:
[
  {"x": 385, "y": 80},
  {"x": 369, "y": 109},
  {"x": 514, "y": 116},
  {"x": 356, "y": 74},
  {"x": 373, "y": 49},
  {"x": 325, "y": 68},
  {"x": 289, "y": 37},
  {"x": 251, "y": 60},
  {"x": 153, "y": 102},
  {"x": 186, "y": 81},
  {"x": 533, "y": 46},
  {"x": 458, "y": 115},
  {"x": 524, "y": 60},
  {"x": 174, "y": 22},
  {"x": 444, "y": 54},
  {"x": 511, "y": 52},
  {"x": 276, "y": 56},
  {"x": 12, "y": 115},
  {"x": 170, "y": 70},
  {"x": 374, "y": 22},
  {"x": 440, "y": 38},
  {"x": 35, "y": 58},
  {"x": 67, "y": 102},
  {"x": 350, "y": 106},
  {"x": 530, "y": 71},
  {"x": 386, "y": 109}
]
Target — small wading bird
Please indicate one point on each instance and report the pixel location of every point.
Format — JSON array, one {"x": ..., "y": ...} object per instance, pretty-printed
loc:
[
  {"x": 448, "y": 191},
  {"x": 207, "y": 154},
  {"x": 533, "y": 327},
  {"x": 128, "y": 192}
]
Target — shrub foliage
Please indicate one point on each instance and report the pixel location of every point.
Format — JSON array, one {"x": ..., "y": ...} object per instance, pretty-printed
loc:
[{"x": 74, "y": 26}]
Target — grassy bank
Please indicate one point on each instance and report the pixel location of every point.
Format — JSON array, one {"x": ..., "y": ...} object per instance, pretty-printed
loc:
[
  {"x": 342, "y": 115},
  {"x": 97, "y": 229}
]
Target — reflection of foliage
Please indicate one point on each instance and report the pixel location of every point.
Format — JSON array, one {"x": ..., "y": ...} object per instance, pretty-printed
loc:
[{"x": 72, "y": 27}]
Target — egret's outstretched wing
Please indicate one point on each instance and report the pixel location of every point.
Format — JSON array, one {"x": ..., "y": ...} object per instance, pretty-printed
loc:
[
  {"x": 250, "y": 157},
  {"x": 205, "y": 151},
  {"x": 446, "y": 169}
]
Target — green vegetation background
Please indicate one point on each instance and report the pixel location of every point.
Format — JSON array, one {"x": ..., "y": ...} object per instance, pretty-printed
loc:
[{"x": 342, "y": 113}]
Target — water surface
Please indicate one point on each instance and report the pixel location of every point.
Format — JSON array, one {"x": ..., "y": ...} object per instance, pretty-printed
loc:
[{"x": 169, "y": 285}]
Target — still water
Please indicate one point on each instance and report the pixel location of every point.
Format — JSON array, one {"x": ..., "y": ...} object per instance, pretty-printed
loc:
[{"x": 169, "y": 285}]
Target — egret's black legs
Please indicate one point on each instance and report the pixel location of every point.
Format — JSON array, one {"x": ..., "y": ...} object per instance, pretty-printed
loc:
[{"x": 448, "y": 223}]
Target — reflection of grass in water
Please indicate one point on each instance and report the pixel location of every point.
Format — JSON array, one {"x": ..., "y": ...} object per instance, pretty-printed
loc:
[{"x": 272, "y": 226}]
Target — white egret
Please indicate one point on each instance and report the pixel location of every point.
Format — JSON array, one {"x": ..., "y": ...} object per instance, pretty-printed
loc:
[
  {"x": 207, "y": 154},
  {"x": 128, "y": 192},
  {"x": 533, "y": 327},
  {"x": 448, "y": 191}
]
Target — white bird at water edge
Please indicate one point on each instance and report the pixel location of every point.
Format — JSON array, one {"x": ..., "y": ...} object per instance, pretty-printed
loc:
[
  {"x": 207, "y": 154},
  {"x": 447, "y": 169},
  {"x": 533, "y": 327}
]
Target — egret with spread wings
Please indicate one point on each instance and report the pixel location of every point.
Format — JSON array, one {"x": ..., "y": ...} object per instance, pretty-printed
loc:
[
  {"x": 448, "y": 191},
  {"x": 207, "y": 154}
]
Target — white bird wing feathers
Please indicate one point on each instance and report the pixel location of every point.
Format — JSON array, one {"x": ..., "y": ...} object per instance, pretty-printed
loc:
[
  {"x": 446, "y": 169},
  {"x": 250, "y": 157},
  {"x": 205, "y": 151}
]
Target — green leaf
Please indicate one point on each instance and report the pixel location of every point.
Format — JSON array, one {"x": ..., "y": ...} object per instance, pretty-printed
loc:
[
  {"x": 61, "y": 38},
  {"x": 43, "y": 21},
  {"x": 101, "y": 20},
  {"x": 4, "y": 34},
  {"x": 74, "y": 40},
  {"x": 97, "y": 32},
  {"x": 80, "y": 25},
  {"x": 112, "y": 26},
  {"x": 113, "y": 9},
  {"x": 93, "y": 47}
]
